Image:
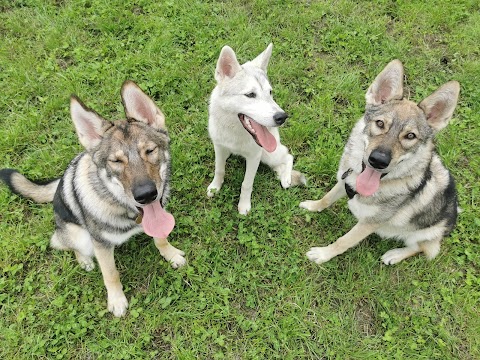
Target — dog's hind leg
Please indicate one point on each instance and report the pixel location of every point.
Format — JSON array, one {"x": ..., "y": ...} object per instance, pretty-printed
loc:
[
  {"x": 359, "y": 232},
  {"x": 394, "y": 256},
  {"x": 221, "y": 156},
  {"x": 117, "y": 302},
  {"x": 430, "y": 248},
  {"x": 173, "y": 255},
  {"x": 337, "y": 192},
  {"x": 73, "y": 237},
  {"x": 281, "y": 161}
]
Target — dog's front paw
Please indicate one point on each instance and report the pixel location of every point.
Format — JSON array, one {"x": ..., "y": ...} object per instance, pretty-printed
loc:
[
  {"x": 213, "y": 188},
  {"x": 211, "y": 192},
  {"x": 286, "y": 180},
  {"x": 117, "y": 304},
  {"x": 173, "y": 255},
  {"x": 178, "y": 261},
  {"x": 311, "y": 205},
  {"x": 176, "y": 258},
  {"x": 319, "y": 255},
  {"x": 244, "y": 207}
]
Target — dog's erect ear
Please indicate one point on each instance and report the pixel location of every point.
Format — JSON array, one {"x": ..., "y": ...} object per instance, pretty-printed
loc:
[
  {"x": 439, "y": 106},
  {"x": 227, "y": 64},
  {"x": 388, "y": 85},
  {"x": 139, "y": 106},
  {"x": 261, "y": 61},
  {"x": 89, "y": 125}
]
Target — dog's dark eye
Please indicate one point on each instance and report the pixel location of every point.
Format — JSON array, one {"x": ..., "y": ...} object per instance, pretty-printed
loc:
[
  {"x": 251, "y": 95},
  {"x": 270, "y": 92},
  {"x": 115, "y": 161},
  {"x": 410, "y": 136},
  {"x": 150, "y": 151},
  {"x": 380, "y": 124}
]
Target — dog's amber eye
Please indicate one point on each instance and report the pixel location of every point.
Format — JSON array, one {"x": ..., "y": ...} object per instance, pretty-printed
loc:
[
  {"x": 410, "y": 136},
  {"x": 380, "y": 124},
  {"x": 251, "y": 95}
]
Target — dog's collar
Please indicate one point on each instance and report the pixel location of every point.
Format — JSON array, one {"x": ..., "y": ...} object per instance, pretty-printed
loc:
[{"x": 350, "y": 191}]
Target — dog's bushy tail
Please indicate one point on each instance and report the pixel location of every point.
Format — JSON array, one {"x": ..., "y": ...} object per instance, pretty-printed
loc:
[{"x": 38, "y": 191}]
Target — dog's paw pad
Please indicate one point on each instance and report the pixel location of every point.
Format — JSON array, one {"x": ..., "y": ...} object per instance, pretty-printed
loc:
[
  {"x": 118, "y": 305},
  {"x": 319, "y": 255},
  {"x": 394, "y": 256}
]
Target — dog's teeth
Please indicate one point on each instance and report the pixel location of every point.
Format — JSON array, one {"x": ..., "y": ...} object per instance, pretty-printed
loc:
[{"x": 249, "y": 125}]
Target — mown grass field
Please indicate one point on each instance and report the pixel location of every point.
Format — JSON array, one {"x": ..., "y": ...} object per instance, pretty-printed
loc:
[{"x": 248, "y": 291}]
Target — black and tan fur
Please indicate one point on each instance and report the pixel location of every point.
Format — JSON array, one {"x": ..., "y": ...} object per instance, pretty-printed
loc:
[
  {"x": 99, "y": 199},
  {"x": 413, "y": 197}
]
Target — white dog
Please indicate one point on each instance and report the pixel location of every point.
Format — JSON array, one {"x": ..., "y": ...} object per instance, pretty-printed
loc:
[{"x": 244, "y": 120}]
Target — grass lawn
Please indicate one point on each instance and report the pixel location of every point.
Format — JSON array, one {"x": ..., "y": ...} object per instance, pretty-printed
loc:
[{"x": 248, "y": 291}]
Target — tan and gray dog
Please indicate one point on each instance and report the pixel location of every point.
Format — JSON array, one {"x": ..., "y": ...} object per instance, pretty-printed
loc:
[
  {"x": 117, "y": 188},
  {"x": 396, "y": 183}
]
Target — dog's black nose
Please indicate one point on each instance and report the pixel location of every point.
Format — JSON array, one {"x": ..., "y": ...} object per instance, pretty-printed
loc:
[
  {"x": 380, "y": 159},
  {"x": 280, "y": 118},
  {"x": 145, "y": 193}
]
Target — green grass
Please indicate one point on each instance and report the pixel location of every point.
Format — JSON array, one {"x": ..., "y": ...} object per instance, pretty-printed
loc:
[{"x": 248, "y": 291}]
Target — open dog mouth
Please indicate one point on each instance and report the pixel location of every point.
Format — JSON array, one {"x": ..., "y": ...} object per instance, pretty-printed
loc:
[
  {"x": 368, "y": 181},
  {"x": 260, "y": 133},
  {"x": 155, "y": 220}
]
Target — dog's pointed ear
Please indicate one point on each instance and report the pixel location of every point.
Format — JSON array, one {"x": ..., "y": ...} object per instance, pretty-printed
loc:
[
  {"x": 139, "y": 106},
  {"x": 261, "y": 61},
  {"x": 388, "y": 85},
  {"x": 89, "y": 125},
  {"x": 439, "y": 106},
  {"x": 227, "y": 64}
]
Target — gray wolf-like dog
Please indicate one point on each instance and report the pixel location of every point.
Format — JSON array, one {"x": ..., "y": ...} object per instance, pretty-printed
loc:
[
  {"x": 244, "y": 120},
  {"x": 396, "y": 183},
  {"x": 117, "y": 188}
]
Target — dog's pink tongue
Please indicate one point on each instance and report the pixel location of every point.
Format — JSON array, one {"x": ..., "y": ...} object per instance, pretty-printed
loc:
[
  {"x": 156, "y": 221},
  {"x": 264, "y": 137},
  {"x": 368, "y": 181}
]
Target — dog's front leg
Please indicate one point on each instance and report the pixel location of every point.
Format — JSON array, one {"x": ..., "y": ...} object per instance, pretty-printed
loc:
[
  {"x": 173, "y": 255},
  {"x": 244, "y": 205},
  {"x": 117, "y": 302},
  {"x": 359, "y": 232},
  {"x": 337, "y": 192},
  {"x": 221, "y": 156}
]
